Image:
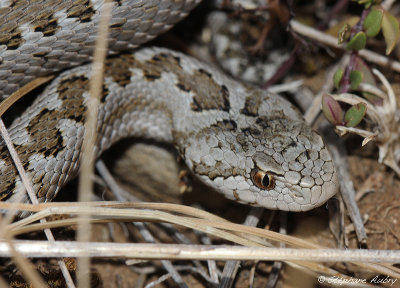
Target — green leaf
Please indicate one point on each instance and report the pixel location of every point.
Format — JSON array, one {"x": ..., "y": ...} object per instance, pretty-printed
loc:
[
  {"x": 373, "y": 21},
  {"x": 332, "y": 110},
  {"x": 390, "y": 30},
  {"x": 344, "y": 33},
  {"x": 356, "y": 78},
  {"x": 338, "y": 77},
  {"x": 358, "y": 42},
  {"x": 355, "y": 114}
]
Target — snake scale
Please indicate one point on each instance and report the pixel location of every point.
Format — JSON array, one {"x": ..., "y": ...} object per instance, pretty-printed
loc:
[{"x": 249, "y": 144}]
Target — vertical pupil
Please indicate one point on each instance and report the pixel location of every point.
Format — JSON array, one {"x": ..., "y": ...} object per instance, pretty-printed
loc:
[{"x": 265, "y": 181}]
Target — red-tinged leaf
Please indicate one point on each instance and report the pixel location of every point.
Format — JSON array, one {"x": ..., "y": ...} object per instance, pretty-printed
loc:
[
  {"x": 355, "y": 114},
  {"x": 374, "y": 99},
  {"x": 361, "y": 66},
  {"x": 332, "y": 110},
  {"x": 390, "y": 30}
]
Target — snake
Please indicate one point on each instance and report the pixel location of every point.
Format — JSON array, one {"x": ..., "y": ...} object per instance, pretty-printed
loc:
[
  {"x": 251, "y": 145},
  {"x": 229, "y": 49}
]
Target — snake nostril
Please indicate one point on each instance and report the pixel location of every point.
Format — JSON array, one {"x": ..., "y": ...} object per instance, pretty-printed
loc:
[{"x": 298, "y": 195}]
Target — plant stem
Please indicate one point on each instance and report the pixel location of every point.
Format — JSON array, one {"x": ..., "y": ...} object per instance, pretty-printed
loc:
[{"x": 345, "y": 83}]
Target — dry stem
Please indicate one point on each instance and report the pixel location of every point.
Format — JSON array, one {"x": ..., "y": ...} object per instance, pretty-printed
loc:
[{"x": 88, "y": 146}]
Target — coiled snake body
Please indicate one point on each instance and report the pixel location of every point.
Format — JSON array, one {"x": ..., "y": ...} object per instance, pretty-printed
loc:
[{"x": 250, "y": 145}]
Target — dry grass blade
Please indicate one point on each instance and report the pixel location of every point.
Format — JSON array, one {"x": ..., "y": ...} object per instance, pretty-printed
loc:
[
  {"x": 188, "y": 219},
  {"x": 8, "y": 102},
  {"x": 88, "y": 153},
  {"x": 233, "y": 232},
  {"x": 201, "y": 252}
]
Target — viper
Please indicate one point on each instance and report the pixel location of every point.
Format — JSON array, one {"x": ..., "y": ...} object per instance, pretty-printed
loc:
[{"x": 246, "y": 143}]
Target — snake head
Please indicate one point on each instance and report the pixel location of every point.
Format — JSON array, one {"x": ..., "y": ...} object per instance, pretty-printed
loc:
[
  {"x": 274, "y": 162},
  {"x": 291, "y": 167}
]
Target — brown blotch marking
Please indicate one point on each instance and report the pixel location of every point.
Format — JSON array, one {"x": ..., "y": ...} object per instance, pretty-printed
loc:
[
  {"x": 43, "y": 127},
  {"x": 45, "y": 137},
  {"x": 118, "y": 68},
  {"x": 46, "y": 23},
  {"x": 252, "y": 104},
  {"x": 11, "y": 37},
  {"x": 71, "y": 93},
  {"x": 207, "y": 93},
  {"x": 82, "y": 9},
  {"x": 162, "y": 62}
]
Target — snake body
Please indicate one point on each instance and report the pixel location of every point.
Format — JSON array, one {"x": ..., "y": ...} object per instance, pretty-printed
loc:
[
  {"x": 42, "y": 37},
  {"x": 227, "y": 43},
  {"x": 250, "y": 145}
]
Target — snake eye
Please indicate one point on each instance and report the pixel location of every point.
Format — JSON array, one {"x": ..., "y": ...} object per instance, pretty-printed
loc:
[{"x": 262, "y": 180}]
